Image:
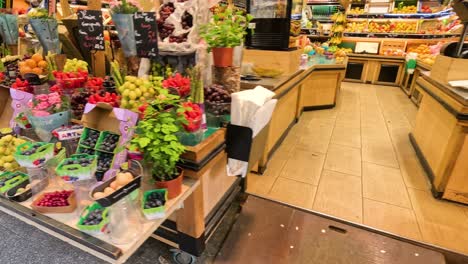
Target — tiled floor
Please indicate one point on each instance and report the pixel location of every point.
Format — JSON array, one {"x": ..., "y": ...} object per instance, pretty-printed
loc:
[{"x": 356, "y": 162}]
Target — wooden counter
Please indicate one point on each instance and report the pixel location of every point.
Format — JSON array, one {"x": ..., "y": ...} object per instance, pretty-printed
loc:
[
  {"x": 440, "y": 137},
  {"x": 313, "y": 88},
  {"x": 375, "y": 69}
]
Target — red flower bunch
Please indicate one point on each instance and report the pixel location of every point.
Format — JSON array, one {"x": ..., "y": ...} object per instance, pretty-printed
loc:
[
  {"x": 109, "y": 98},
  {"x": 178, "y": 83},
  {"x": 193, "y": 115},
  {"x": 21, "y": 85}
]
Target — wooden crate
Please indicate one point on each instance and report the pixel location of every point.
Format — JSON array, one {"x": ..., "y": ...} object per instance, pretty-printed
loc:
[{"x": 392, "y": 45}]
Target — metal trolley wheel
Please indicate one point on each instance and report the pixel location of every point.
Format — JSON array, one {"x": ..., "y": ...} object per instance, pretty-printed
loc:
[{"x": 181, "y": 257}]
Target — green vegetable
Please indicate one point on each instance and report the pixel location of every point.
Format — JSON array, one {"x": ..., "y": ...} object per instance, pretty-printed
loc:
[
  {"x": 156, "y": 135},
  {"x": 226, "y": 29}
]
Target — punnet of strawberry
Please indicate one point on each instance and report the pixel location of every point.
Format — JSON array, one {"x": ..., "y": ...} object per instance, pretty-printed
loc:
[
  {"x": 71, "y": 80},
  {"x": 193, "y": 115},
  {"x": 179, "y": 84},
  {"x": 22, "y": 85},
  {"x": 95, "y": 84},
  {"x": 105, "y": 97}
]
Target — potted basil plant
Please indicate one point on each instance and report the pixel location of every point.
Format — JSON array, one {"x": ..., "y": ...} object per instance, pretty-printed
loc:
[
  {"x": 156, "y": 138},
  {"x": 225, "y": 31}
]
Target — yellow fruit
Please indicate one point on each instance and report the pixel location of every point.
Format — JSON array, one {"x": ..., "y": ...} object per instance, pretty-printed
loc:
[
  {"x": 31, "y": 63},
  {"x": 42, "y": 64},
  {"x": 37, "y": 57},
  {"x": 37, "y": 71}
]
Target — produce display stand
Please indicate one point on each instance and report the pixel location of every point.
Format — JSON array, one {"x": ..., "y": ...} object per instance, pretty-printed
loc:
[{"x": 63, "y": 226}]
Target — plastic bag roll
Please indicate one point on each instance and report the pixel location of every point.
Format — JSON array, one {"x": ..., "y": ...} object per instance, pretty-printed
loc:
[
  {"x": 124, "y": 25},
  {"x": 9, "y": 28},
  {"x": 47, "y": 33}
]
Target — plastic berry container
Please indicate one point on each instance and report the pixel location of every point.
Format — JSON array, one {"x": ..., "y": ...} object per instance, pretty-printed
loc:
[{"x": 97, "y": 228}]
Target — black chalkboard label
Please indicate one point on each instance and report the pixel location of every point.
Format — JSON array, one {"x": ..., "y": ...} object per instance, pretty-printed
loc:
[
  {"x": 146, "y": 37},
  {"x": 90, "y": 29}
]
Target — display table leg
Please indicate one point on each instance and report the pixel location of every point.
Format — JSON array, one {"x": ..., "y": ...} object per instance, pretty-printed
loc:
[{"x": 191, "y": 223}]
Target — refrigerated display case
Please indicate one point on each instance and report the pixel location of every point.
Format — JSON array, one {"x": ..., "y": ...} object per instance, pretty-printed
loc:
[{"x": 276, "y": 23}]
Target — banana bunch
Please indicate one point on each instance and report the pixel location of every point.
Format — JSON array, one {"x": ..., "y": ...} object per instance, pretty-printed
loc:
[
  {"x": 337, "y": 28},
  {"x": 295, "y": 29},
  {"x": 338, "y": 17},
  {"x": 335, "y": 41}
]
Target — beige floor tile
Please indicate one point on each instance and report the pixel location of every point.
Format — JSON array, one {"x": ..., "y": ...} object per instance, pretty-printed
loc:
[
  {"x": 390, "y": 218},
  {"x": 343, "y": 159},
  {"x": 260, "y": 184},
  {"x": 320, "y": 114},
  {"x": 347, "y": 136},
  {"x": 293, "y": 192},
  {"x": 442, "y": 223},
  {"x": 384, "y": 184},
  {"x": 349, "y": 121},
  {"x": 379, "y": 152},
  {"x": 316, "y": 138},
  {"x": 411, "y": 169},
  {"x": 304, "y": 166},
  {"x": 339, "y": 195}
]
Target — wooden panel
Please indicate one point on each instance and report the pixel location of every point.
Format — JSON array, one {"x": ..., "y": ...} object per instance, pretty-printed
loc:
[
  {"x": 433, "y": 131},
  {"x": 320, "y": 89},
  {"x": 216, "y": 182},
  {"x": 457, "y": 186},
  {"x": 286, "y": 60},
  {"x": 6, "y": 111},
  {"x": 200, "y": 151},
  {"x": 283, "y": 116}
]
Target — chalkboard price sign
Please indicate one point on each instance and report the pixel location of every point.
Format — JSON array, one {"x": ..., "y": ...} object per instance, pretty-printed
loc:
[
  {"x": 90, "y": 29},
  {"x": 146, "y": 37}
]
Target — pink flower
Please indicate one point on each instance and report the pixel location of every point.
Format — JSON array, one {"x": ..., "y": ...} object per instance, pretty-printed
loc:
[
  {"x": 30, "y": 104},
  {"x": 40, "y": 113},
  {"x": 58, "y": 106},
  {"x": 42, "y": 106},
  {"x": 41, "y": 97},
  {"x": 55, "y": 100}
]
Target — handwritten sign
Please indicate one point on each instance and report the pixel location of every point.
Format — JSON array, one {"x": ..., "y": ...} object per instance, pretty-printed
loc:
[
  {"x": 90, "y": 29},
  {"x": 146, "y": 37}
]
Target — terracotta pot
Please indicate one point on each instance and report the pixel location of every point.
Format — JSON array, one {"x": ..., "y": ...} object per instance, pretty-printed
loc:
[
  {"x": 174, "y": 186},
  {"x": 223, "y": 56}
]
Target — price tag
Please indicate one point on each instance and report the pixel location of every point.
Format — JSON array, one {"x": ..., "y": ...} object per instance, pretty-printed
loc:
[
  {"x": 91, "y": 29},
  {"x": 146, "y": 34}
]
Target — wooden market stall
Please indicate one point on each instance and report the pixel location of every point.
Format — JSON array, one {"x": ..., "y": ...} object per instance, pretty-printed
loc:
[
  {"x": 315, "y": 87},
  {"x": 441, "y": 132}
]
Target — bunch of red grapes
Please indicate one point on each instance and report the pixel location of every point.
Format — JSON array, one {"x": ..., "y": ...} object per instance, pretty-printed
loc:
[{"x": 165, "y": 29}]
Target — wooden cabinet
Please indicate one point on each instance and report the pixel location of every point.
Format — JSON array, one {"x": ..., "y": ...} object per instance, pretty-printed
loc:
[
  {"x": 375, "y": 69},
  {"x": 319, "y": 89},
  {"x": 440, "y": 139}
]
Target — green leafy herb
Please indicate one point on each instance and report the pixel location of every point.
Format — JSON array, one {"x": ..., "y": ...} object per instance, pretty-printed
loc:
[
  {"x": 226, "y": 29},
  {"x": 156, "y": 135}
]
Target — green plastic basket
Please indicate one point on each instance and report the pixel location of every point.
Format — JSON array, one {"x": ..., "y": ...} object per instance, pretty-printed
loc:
[
  {"x": 157, "y": 212},
  {"x": 93, "y": 229},
  {"x": 76, "y": 172},
  {"x": 85, "y": 150},
  {"x": 13, "y": 179},
  {"x": 100, "y": 141},
  {"x": 38, "y": 159},
  {"x": 85, "y": 135}
]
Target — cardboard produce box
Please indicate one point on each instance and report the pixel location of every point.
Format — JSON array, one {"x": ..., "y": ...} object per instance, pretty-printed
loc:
[
  {"x": 447, "y": 69},
  {"x": 104, "y": 117},
  {"x": 5, "y": 107}
]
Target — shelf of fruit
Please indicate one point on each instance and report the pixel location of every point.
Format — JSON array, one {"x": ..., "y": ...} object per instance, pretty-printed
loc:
[{"x": 360, "y": 14}]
